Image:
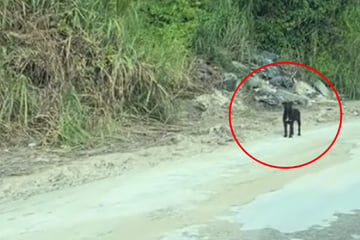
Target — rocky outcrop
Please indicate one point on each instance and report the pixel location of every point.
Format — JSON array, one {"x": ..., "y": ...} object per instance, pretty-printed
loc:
[
  {"x": 275, "y": 96},
  {"x": 254, "y": 82},
  {"x": 304, "y": 89},
  {"x": 273, "y": 85},
  {"x": 282, "y": 81},
  {"x": 266, "y": 57}
]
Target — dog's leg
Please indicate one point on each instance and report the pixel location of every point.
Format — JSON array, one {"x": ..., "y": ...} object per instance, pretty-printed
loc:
[
  {"x": 299, "y": 127},
  {"x": 285, "y": 129},
  {"x": 291, "y": 129}
]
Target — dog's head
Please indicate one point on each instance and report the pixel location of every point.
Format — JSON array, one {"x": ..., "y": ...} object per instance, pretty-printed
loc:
[{"x": 288, "y": 105}]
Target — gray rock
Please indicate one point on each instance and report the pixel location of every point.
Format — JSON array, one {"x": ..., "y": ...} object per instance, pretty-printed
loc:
[
  {"x": 320, "y": 86},
  {"x": 268, "y": 99},
  {"x": 266, "y": 57},
  {"x": 212, "y": 101},
  {"x": 269, "y": 55},
  {"x": 261, "y": 61},
  {"x": 231, "y": 81},
  {"x": 277, "y": 96},
  {"x": 282, "y": 81},
  {"x": 267, "y": 94},
  {"x": 266, "y": 88},
  {"x": 271, "y": 72},
  {"x": 304, "y": 89},
  {"x": 285, "y": 95},
  {"x": 254, "y": 82}
]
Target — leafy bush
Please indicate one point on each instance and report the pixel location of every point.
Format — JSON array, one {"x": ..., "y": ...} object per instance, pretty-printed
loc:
[{"x": 225, "y": 32}]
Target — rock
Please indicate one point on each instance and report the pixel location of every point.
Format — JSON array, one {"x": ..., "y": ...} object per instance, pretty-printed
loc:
[
  {"x": 285, "y": 95},
  {"x": 269, "y": 99},
  {"x": 212, "y": 102},
  {"x": 231, "y": 81},
  {"x": 304, "y": 89},
  {"x": 266, "y": 89},
  {"x": 254, "y": 82},
  {"x": 272, "y": 72},
  {"x": 200, "y": 106},
  {"x": 277, "y": 96},
  {"x": 267, "y": 94},
  {"x": 321, "y": 88},
  {"x": 269, "y": 55},
  {"x": 266, "y": 57},
  {"x": 282, "y": 81}
]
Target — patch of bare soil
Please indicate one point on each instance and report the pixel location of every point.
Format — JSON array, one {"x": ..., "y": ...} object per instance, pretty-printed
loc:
[{"x": 203, "y": 126}]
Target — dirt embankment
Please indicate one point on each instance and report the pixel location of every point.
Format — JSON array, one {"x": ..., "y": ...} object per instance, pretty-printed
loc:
[{"x": 29, "y": 171}]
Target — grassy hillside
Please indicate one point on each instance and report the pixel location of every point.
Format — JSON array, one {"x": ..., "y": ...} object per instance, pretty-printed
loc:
[{"x": 73, "y": 70}]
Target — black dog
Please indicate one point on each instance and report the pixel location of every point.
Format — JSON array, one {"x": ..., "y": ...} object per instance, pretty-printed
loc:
[{"x": 290, "y": 115}]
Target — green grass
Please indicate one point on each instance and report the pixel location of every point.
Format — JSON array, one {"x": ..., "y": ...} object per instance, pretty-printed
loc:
[
  {"x": 104, "y": 51},
  {"x": 73, "y": 120},
  {"x": 339, "y": 60},
  {"x": 225, "y": 33}
]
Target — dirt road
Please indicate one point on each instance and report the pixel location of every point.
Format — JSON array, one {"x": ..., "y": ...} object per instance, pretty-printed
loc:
[{"x": 211, "y": 196}]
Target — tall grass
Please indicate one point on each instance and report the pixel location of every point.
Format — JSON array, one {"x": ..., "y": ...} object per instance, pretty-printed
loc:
[
  {"x": 346, "y": 56},
  {"x": 339, "y": 61},
  {"x": 322, "y": 34},
  {"x": 68, "y": 65},
  {"x": 226, "y": 32},
  {"x": 71, "y": 70}
]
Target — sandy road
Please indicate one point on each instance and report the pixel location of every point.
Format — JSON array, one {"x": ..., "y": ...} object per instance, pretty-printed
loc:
[{"x": 194, "y": 198}]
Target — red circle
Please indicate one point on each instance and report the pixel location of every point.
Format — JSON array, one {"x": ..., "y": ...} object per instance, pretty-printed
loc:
[{"x": 288, "y": 167}]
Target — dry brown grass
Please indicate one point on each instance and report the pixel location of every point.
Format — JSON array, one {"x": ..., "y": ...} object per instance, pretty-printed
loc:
[{"x": 61, "y": 84}]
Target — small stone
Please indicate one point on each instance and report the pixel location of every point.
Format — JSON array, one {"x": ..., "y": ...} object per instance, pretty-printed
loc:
[{"x": 231, "y": 82}]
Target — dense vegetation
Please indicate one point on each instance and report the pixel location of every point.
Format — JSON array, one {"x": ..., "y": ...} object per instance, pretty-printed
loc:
[{"x": 71, "y": 70}]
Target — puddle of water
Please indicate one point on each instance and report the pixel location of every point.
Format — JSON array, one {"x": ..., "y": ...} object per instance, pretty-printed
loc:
[{"x": 310, "y": 200}]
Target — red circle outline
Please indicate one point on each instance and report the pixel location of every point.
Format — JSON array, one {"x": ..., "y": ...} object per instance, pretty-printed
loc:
[{"x": 300, "y": 165}]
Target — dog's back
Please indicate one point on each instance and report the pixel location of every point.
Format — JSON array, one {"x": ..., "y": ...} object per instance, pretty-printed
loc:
[{"x": 289, "y": 112}]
